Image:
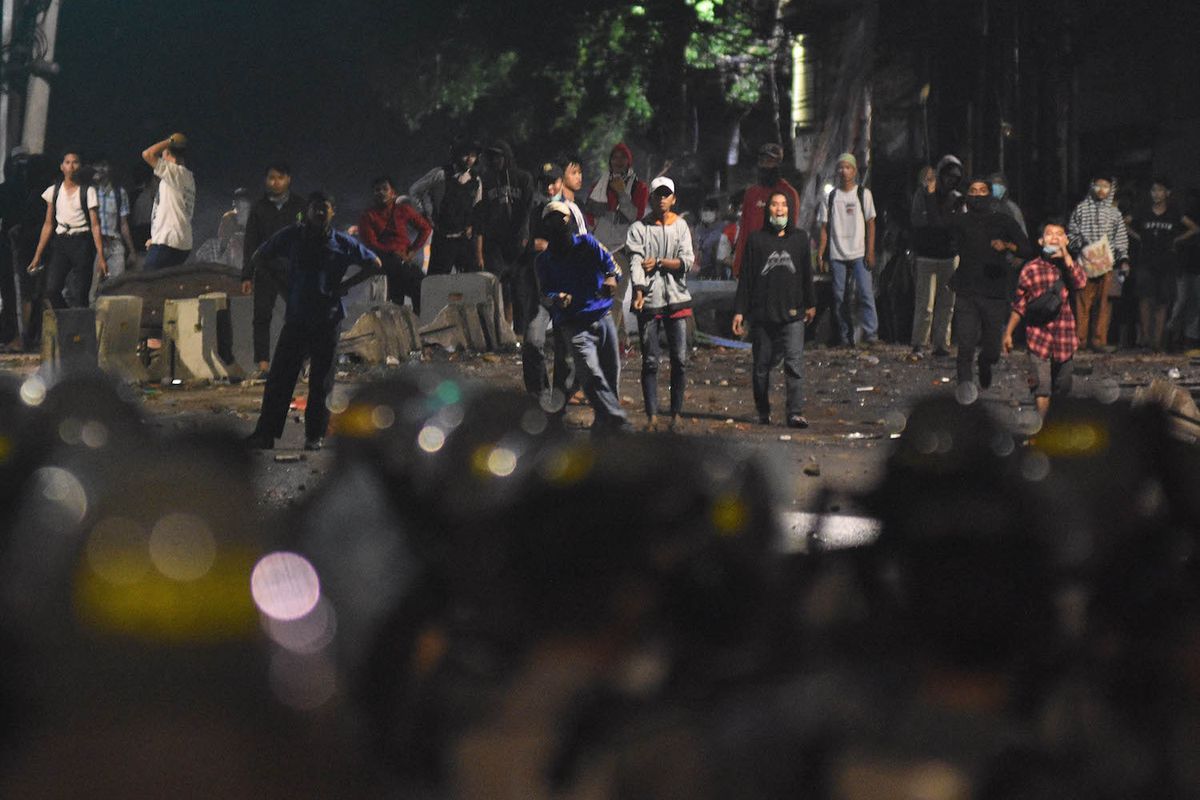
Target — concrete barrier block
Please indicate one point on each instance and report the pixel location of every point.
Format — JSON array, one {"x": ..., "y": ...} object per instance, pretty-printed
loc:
[
  {"x": 69, "y": 338},
  {"x": 241, "y": 324},
  {"x": 118, "y": 332},
  {"x": 445, "y": 330},
  {"x": 192, "y": 335}
]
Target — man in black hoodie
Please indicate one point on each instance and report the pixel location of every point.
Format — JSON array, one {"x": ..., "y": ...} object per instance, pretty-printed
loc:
[
  {"x": 775, "y": 291},
  {"x": 447, "y": 196},
  {"x": 984, "y": 238},
  {"x": 502, "y": 219},
  {"x": 933, "y": 244}
]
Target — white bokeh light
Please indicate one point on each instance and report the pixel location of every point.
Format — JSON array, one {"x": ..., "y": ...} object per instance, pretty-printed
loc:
[{"x": 285, "y": 586}]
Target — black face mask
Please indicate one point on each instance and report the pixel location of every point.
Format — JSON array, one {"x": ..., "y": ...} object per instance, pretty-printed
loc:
[
  {"x": 949, "y": 180},
  {"x": 978, "y": 205},
  {"x": 558, "y": 233},
  {"x": 769, "y": 176}
]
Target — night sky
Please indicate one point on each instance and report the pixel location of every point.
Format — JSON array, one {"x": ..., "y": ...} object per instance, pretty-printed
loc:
[{"x": 247, "y": 81}]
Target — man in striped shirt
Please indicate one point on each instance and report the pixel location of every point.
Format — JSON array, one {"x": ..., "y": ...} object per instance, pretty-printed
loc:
[
  {"x": 1099, "y": 240},
  {"x": 114, "y": 224}
]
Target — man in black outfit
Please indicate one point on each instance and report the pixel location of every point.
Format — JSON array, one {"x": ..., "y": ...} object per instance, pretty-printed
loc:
[
  {"x": 984, "y": 236},
  {"x": 275, "y": 210},
  {"x": 447, "y": 197},
  {"x": 317, "y": 258}
]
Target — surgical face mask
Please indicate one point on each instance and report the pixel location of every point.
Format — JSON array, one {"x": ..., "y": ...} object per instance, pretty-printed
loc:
[
  {"x": 779, "y": 223},
  {"x": 999, "y": 190},
  {"x": 708, "y": 216}
]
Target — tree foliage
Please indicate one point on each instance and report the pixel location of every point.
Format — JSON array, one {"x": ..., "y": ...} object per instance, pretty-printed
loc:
[{"x": 577, "y": 76}]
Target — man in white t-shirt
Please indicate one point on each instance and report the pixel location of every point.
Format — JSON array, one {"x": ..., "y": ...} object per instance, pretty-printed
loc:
[
  {"x": 171, "y": 221},
  {"x": 72, "y": 220},
  {"x": 847, "y": 220}
]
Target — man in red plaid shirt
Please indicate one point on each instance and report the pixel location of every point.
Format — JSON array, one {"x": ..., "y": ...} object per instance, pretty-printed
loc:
[{"x": 1051, "y": 344}]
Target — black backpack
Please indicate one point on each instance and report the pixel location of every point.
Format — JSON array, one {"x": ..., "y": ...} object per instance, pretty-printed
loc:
[{"x": 83, "y": 191}]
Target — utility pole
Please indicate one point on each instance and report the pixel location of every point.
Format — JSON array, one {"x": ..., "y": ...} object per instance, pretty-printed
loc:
[{"x": 37, "y": 97}]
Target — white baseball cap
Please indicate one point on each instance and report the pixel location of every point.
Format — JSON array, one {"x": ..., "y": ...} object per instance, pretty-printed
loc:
[{"x": 662, "y": 181}]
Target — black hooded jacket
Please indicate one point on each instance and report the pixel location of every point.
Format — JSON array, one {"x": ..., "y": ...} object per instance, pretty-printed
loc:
[
  {"x": 502, "y": 216},
  {"x": 932, "y": 236}
]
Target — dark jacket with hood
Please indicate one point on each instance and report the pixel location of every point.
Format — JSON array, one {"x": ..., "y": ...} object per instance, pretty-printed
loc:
[
  {"x": 982, "y": 270},
  {"x": 932, "y": 235},
  {"x": 502, "y": 216},
  {"x": 776, "y": 281}
]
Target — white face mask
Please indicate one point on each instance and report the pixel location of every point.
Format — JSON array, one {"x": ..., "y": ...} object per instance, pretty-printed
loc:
[
  {"x": 708, "y": 217},
  {"x": 779, "y": 223}
]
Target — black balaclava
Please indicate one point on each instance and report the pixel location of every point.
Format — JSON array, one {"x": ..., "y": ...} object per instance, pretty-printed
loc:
[
  {"x": 769, "y": 176},
  {"x": 558, "y": 232}
]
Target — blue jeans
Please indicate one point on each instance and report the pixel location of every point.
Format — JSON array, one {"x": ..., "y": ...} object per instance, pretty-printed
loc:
[
  {"x": 858, "y": 272},
  {"x": 649, "y": 327},
  {"x": 159, "y": 256},
  {"x": 772, "y": 343},
  {"x": 598, "y": 367}
]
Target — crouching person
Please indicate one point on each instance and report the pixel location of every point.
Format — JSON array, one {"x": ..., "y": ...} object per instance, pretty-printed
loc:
[
  {"x": 775, "y": 292},
  {"x": 317, "y": 258},
  {"x": 660, "y": 255},
  {"x": 578, "y": 279},
  {"x": 1044, "y": 289}
]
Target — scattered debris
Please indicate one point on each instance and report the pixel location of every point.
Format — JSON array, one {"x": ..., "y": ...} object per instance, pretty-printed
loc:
[
  {"x": 288, "y": 458},
  {"x": 812, "y": 468}
]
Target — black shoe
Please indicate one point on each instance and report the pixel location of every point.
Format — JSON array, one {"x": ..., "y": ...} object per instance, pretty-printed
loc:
[
  {"x": 764, "y": 419},
  {"x": 258, "y": 441},
  {"x": 314, "y": 444},
  {"x": 941, "y": 352},
  {"x": 985, "y": 375},
  {"x": 797, "y": 421}
]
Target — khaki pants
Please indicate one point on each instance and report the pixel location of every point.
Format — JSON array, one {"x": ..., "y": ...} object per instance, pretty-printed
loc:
[
  {"x": 1093, "y": 294},
  {"x": 933, "y": 302}
]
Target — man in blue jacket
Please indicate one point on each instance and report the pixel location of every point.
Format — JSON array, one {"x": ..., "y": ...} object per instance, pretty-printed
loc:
[
  {"x": 317, "y": 259},
  {"x": 578, "y": 279}
]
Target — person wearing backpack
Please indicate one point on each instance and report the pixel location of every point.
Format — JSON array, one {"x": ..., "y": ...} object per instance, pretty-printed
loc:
[
  {"x": 72, "y": 220},
  {"x": 847, "y": 220},
  {"x": 1043, "y": 300}
]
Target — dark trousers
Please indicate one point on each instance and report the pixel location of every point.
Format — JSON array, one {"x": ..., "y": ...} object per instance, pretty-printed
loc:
[
  {"x": 266, "y": 290},
  {"x": 403, "y": 280},
  {"x": 299, "y": 339},
  {"x": 69, "y": 273},
  {"x": 447, "y": 254},
  {"x": 8, "y": 294},
  {"x": 533, "y": 363},
  {"x": 978, "y": 323},
  {"x": 649, "y": 328},
  {"x": 505, "y": 269},
  {"x": 772, "y": 343},
  {"x": 159, "y": 256}
]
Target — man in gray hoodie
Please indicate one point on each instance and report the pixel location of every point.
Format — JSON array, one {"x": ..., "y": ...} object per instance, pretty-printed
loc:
[{"x": 660, "y": 255}]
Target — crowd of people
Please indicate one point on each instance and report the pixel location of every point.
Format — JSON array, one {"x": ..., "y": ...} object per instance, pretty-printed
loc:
[{"x": 979, "y": 277}]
